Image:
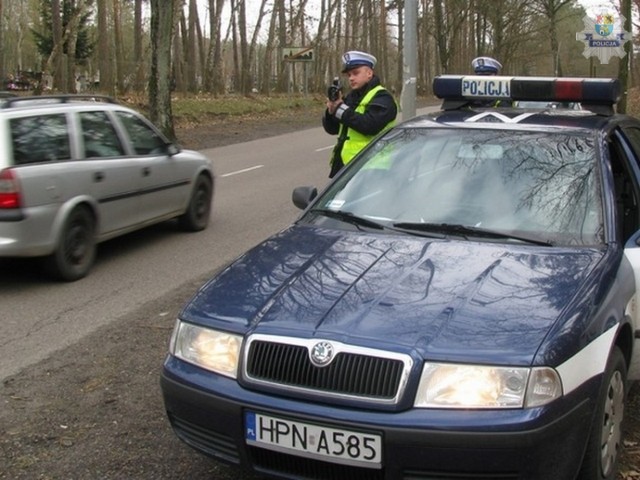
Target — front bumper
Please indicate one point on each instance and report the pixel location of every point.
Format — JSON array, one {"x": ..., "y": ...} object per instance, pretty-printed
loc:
[{"x": 418, "y": 444}]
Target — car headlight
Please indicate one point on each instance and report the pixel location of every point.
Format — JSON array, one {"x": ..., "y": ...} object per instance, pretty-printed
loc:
[
  {"x": 206, "y": 348},
  {"x": 476, "y": 386}
]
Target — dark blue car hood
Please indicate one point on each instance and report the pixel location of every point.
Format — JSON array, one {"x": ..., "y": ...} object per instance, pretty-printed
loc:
[{"x": 442, "y": 299}]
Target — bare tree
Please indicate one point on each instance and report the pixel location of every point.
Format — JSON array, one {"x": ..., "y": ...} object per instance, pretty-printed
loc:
[
  {"x": 179, "y": 48},
  {"x": 242, "y": 56},
  {"x": 162, "y": 23},
  {"x": 625, "y": 62},
  {"x": 138, "y": 58},
  {"x": 214, "y": 71},
  {"x": 191, "y": 57},
  {"x": 550, "y": 9},
  {"x": 449, "y": 16},
  {"x": 70, "y": 37},
  {"x": 118, "y": 42},
  {"x": 2, "y": 54},
  {"x": 279, "y": 9},
  {"x": 56, "y": 60},
  {"x": 451, "y": 33},
  {"x": 269, "y": 49},
  {"x": 104, "y": 48},
  {"x": 254, "y": 42}
]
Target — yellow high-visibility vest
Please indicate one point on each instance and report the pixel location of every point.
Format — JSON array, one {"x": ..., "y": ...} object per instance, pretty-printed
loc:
[{"x": 356, "y": 141}]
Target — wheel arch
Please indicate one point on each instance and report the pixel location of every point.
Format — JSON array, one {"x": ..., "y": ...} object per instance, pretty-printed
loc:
[
  {"x": 203, "y": 171},
  {"x": 65, "y": 210},
  {"x": 628, "y": 341}
]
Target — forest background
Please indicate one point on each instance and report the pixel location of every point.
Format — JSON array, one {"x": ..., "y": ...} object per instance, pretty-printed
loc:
[{"x": 160, "y": 54}]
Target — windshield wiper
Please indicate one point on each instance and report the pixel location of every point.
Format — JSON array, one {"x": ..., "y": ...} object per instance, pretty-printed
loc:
[
  {"x": 349, "y": 218},
  {"x": 466, "y": 231}
]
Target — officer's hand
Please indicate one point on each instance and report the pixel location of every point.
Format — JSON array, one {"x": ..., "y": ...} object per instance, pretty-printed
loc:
[{"x": 333, "y": 106}]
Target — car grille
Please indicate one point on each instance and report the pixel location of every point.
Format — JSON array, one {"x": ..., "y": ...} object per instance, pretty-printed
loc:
[{"x": 377, "y": 376}]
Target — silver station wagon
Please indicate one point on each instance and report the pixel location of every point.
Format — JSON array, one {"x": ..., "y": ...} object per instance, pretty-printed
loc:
[{"x": 78, "y": 170}]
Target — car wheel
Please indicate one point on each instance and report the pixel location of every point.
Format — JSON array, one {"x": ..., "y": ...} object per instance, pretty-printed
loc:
[
  {"x": 197, "y": 215},
  {"x": 605, "y": 441},
  {"x": 76, "y": 251}
]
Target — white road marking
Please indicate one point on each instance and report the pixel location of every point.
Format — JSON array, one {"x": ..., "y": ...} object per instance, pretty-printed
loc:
[
  {"x": 244, "y": 170},
  {"x": 324, "y": 148}
]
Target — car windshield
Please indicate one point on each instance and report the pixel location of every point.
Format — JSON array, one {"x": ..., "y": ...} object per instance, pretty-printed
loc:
[{"x": 531, "y": 185}]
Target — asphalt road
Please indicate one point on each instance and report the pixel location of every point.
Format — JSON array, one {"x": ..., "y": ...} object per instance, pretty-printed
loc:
[{"x": 252, "y": 200}]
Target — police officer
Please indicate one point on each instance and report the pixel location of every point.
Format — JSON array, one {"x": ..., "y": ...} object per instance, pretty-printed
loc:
[
  {"x": 486, "y": 66},
  {"x": 364, "y": 112}
]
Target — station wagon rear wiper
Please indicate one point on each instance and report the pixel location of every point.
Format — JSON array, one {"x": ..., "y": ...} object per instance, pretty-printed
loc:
[{"x": 465, "y": 231}]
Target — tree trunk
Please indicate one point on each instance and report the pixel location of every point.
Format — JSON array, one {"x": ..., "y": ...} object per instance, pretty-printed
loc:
[
  {"x": 119, "y": 47},
  {"x": 2, "y": 53},
  {"x": 253, "y": 46},
  {"x": 243, "y": 74},
  {"x": 278, "y": 5},
  {"x": 160, "y": 81},
  {"x": 57, "y": 62},
  {"x": 191, "y": 52},
  {"x": 214, "y": 74},
  {"x": 178, "y": 71},
  {"x": 625, "y": 62},
  {"x": 71, "y": 37},
  {"x": 137, "y": 47},
  {"x": 104, "y": 47},
  {"x": 267, "y": 64}
]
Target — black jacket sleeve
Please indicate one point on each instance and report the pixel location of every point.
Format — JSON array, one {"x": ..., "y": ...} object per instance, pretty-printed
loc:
[
  {"x": 330, "y": 123},
  {"x": 379, "y": 112}
]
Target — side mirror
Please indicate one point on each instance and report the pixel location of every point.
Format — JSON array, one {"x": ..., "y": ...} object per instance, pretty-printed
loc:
[
  {"x": 302, "y": 196},
  {"x": 173, "y": 149}
]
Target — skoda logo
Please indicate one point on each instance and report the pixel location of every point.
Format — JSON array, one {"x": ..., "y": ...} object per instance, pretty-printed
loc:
[{"x": 321, "y": 354}]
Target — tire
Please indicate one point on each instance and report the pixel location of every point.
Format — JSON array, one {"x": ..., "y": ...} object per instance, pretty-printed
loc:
[
  {"x": 76, "y": 250},
  {"x": 196, "y": 217},
  {"x": 605, "y": 441}
]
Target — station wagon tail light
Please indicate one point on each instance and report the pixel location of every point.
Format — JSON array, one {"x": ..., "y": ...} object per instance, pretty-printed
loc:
[
  {"x": 9, "y": 190},
  {"x": 486, "y": 387},
  {"x": 209, "y": 349},
  {"x": 599, "y": 91}
]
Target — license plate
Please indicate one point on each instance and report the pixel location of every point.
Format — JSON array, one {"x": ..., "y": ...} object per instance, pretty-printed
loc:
[
  {"x": 330, "y": 444},
  {"x": 485, "y": 87}
]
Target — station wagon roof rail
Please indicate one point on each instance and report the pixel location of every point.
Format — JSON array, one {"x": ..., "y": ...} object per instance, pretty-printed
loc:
[{"x": 65, "y": 98}]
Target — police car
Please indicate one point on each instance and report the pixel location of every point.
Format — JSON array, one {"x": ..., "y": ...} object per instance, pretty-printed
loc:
[{"x": 460, "y": 302}]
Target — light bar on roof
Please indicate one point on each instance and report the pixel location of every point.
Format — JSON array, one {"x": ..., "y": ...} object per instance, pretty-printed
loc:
[{"x": 550, "y": 89}]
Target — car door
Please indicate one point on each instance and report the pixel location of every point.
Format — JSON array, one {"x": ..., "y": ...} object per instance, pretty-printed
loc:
[
  {"x": 112, "y": 177},
  {"x": 166, "y": 181},
  {"x": 625, "y": 150}
]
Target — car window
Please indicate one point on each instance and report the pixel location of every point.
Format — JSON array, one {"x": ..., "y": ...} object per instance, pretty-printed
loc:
[
  {"x": 527, "y": 182},
  {"x": 43, "y": 138},
  {"x": 144, "y": 139},
  {"x": 99, "y": 136},
  {"x": 633, "y": 136},
  {"x": 624, "y": 180}
]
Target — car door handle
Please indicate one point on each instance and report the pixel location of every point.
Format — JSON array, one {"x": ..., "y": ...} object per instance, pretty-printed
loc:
[
  {"x": 146, "y": 171},
  {"x": 98, "y": 176}
]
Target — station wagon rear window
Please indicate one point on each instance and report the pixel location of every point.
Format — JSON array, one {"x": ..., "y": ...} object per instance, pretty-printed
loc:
[{"x": 42, "y": 138}]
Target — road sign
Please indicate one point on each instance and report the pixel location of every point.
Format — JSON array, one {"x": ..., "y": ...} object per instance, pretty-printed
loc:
[{"x": 297, "y": 54}]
